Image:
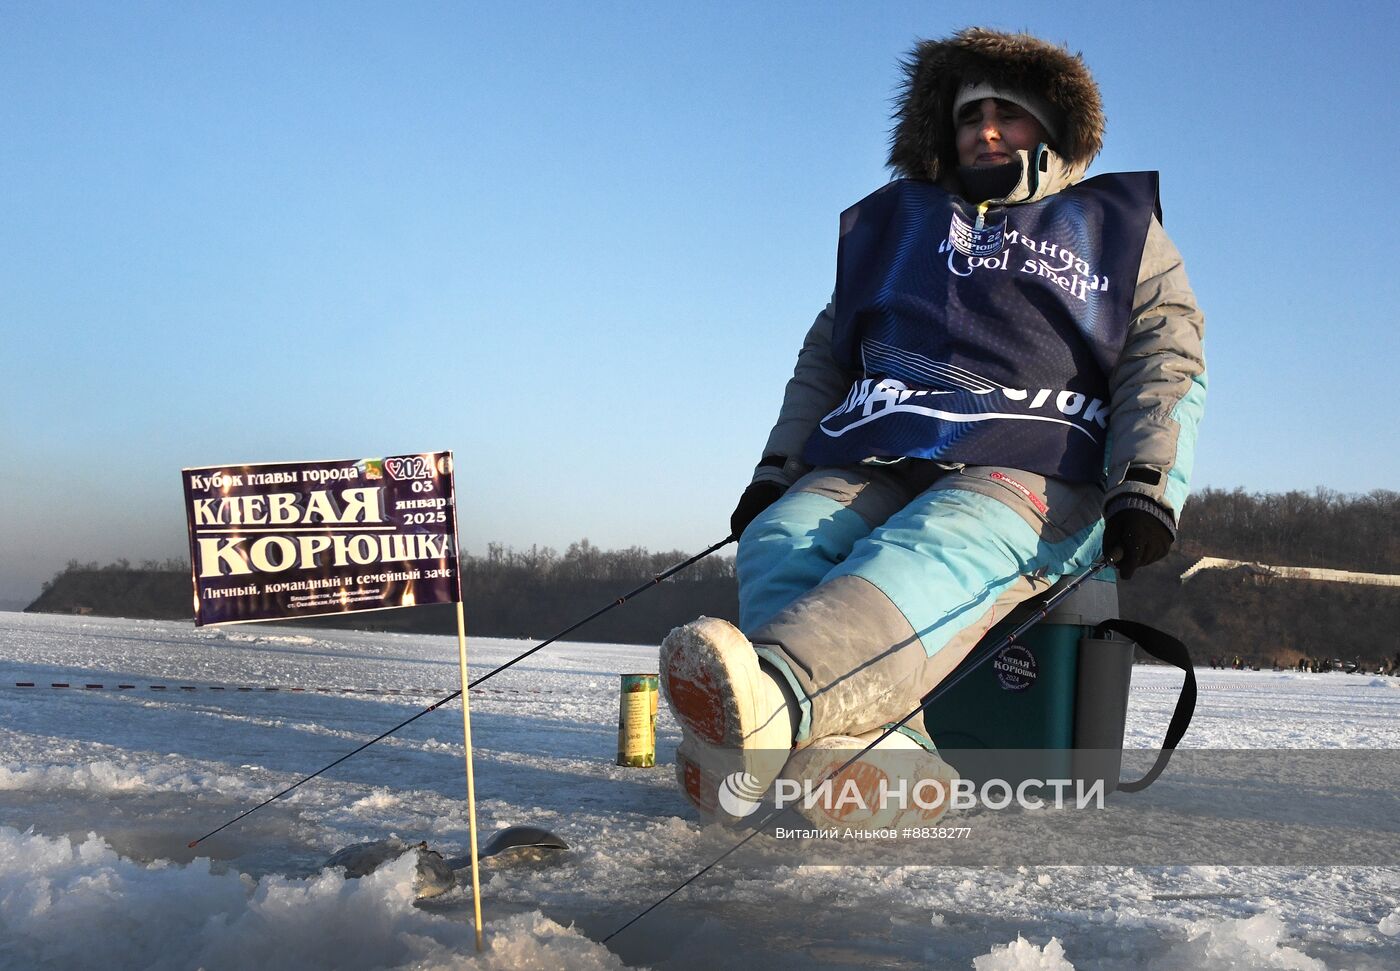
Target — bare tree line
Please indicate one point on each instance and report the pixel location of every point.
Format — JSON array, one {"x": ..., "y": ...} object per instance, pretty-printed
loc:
[
  {"x": 1323, "y": 528},
  {"x": 538, "y": 591}
]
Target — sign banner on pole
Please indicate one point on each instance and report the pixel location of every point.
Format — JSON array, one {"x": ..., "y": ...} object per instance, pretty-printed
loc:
[{"x": 302, "y": 539}]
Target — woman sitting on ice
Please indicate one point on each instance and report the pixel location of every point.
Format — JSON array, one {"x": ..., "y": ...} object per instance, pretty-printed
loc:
[{"x": 1011, "y": 357}]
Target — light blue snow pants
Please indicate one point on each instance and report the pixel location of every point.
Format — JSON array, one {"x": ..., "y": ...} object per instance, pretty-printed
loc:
[{"x": 865, "y": 586}]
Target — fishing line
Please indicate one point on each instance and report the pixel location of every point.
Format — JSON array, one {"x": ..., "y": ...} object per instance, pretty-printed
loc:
[
  {"x": 658, "y": 578},
  {"x": 777, "y": 813}
]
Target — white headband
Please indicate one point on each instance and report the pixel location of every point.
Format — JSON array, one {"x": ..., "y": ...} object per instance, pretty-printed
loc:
[{"x": 1038, "y": 107}]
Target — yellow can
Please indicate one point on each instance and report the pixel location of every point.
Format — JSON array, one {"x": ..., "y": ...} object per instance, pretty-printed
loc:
[{"x": 636, "y": 721}]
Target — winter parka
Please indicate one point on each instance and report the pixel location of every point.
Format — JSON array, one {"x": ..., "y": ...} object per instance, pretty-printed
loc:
[{"x": 1157, "y": 387}]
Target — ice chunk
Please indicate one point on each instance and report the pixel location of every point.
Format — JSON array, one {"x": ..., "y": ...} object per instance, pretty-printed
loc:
[
  {"x": 1247, "y": 944},
  {"x": 1022, "y": 955},
  {"x": 1390, "y": 924}
]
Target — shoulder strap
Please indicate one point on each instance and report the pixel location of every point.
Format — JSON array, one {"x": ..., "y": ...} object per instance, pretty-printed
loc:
[{"x": 1166, "y": 648}]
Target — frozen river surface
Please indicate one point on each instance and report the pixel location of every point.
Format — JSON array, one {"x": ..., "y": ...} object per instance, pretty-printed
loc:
[{"x": 102, "y": 788}]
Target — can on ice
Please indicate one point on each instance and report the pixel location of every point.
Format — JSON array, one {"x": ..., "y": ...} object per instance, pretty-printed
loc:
[{"x": 636, "y": 721}]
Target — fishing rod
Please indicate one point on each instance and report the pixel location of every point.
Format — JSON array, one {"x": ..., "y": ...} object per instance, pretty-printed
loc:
[
  {"x": 983, "y": 655},
  {"x": 655, "y": 580}
]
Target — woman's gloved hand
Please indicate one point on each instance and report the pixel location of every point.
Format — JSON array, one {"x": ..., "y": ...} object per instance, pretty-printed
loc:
[
  {"x": 1133, "y": 537},
  {"x": 756, "y": 498}
]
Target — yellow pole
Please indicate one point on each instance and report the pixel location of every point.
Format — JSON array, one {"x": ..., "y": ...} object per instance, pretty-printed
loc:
[{"x": 471, "y": 783}]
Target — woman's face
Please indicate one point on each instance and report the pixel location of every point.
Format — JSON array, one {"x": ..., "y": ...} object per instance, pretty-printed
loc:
[{"x": 992, "y": 131}]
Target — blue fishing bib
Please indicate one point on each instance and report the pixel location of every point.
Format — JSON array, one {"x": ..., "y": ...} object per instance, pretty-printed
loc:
[{"x": 987, "y": 342}]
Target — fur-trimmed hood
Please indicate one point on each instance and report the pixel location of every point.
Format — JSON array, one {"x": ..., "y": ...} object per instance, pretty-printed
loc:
[{"x": 922, "y": 144}]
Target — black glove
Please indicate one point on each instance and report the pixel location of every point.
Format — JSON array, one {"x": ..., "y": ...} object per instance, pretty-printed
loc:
[
  {"x": 1135, "y": 537},
  {"x": 756, "y": 498}
]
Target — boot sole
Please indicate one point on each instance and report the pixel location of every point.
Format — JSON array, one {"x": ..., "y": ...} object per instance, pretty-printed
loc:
[
  {"x": 702, "y": 791},
  {"x": 701, "y": 667},
  {"x": 712, "y": 681}
]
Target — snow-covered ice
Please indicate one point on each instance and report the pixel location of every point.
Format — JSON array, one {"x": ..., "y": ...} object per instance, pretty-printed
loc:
[{"x": 101, "y": 790}]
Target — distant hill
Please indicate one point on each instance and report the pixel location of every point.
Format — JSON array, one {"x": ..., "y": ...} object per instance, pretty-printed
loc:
[
  {"x": 537, "y": 592},
  {"x": 118, "y": 591}
]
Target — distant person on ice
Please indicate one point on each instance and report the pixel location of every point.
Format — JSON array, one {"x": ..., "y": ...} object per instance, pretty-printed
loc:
[{"x": 1012, "y": 357}]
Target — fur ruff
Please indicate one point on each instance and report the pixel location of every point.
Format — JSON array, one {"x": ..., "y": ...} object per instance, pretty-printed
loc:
[{"x": 922, "y": 144}]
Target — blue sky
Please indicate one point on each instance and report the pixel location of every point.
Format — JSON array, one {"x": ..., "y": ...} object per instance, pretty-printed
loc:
[{"x": 579, "y": 244}]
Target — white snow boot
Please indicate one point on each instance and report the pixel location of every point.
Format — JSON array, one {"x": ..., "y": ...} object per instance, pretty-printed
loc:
[
  {"x": 900, "y": 782},
  {"x": 735, "y": 717}
]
